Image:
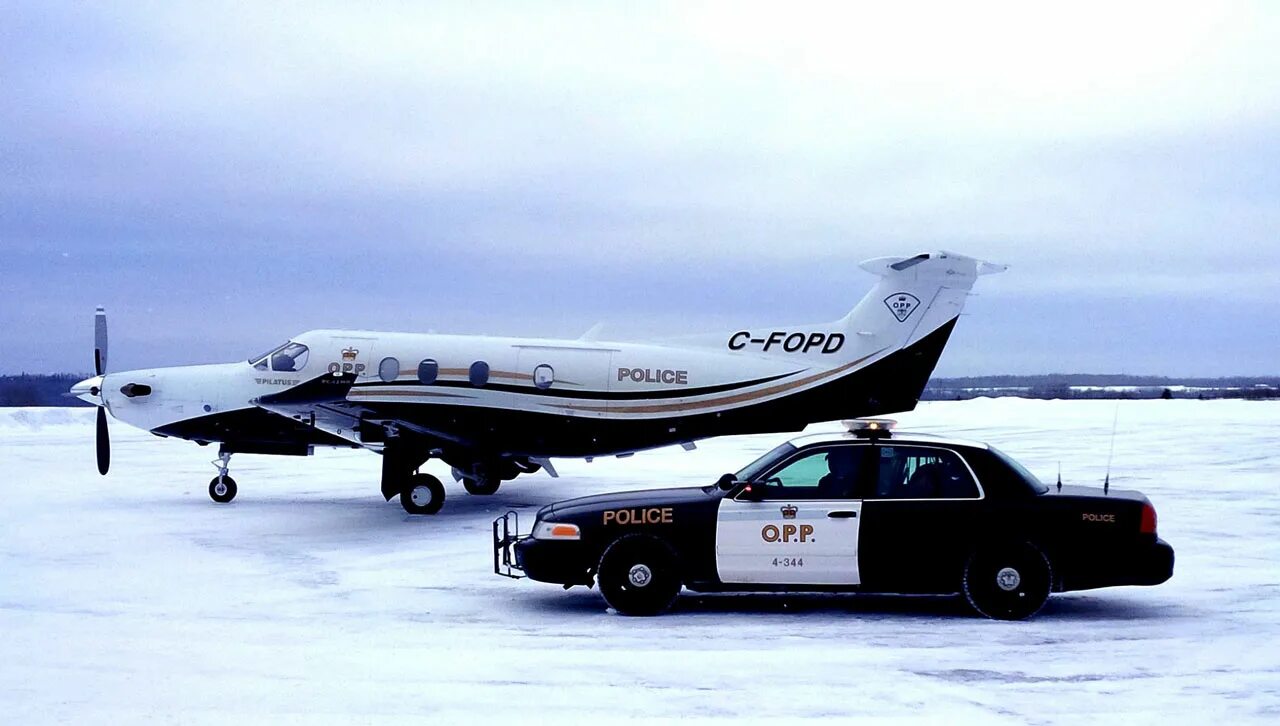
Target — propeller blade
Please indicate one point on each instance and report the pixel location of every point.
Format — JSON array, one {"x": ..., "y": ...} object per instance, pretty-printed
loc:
[
  {"x": 100, "y": 341},
  {"x": 104, "y": 442}
]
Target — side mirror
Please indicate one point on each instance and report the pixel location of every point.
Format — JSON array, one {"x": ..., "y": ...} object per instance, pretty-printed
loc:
[
  {"x": 755, "y": 491},
  {"x": 727, "y": 482}
]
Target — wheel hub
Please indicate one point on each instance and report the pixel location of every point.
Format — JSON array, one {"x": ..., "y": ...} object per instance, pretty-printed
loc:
[
  {"x": 220, "y": 489},
  {"x": 1008, "y": 579},
  {"x": 421, "y": 496},
  {"x": 640, "y": 575}
]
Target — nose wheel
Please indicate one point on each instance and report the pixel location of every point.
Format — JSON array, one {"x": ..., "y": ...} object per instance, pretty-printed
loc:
[{"x": 222, "y": 488}]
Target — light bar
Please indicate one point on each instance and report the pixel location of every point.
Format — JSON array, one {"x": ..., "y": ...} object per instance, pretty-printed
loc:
[{"x": 861, "y": 425}]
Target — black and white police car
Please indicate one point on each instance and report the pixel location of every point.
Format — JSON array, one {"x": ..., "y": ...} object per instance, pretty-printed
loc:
[{"x": 869, "y": 510}]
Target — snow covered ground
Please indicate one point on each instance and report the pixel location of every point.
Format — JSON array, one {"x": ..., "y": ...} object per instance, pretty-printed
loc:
[{"x": 135, "y": 598}]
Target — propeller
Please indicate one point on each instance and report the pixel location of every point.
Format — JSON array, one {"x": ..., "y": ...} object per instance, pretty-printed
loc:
[
  {"x": 103, "y": 440},
  {"x": 100, "y": 341},
  {"x": 104, "y": 443}
]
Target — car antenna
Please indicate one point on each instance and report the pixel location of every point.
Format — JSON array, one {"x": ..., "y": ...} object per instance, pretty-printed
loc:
[{"x": 1106, "y": 481}]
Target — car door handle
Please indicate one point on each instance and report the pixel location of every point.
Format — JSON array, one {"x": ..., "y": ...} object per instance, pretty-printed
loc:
[{"x": 842, "y": 515}]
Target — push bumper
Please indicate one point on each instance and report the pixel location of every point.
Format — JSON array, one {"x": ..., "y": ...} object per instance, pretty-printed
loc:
[
  {"x": 518, "y": 556},
  {"x": 1150, "y": 564},
  {"x": 506, "y": 534}
]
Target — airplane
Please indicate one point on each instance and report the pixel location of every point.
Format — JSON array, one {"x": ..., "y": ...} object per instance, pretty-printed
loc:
[{"x": 493, "y": 408}]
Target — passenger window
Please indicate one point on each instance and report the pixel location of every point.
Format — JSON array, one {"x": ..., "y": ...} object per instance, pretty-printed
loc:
[
  {"x": 389, "y": 370},
  {"x": 544, "y": 376},
  {"x": 428, "y": 371},
  {"x": 908, "y": 472},
  {"x": 479, "y": 373},
  {"x": 290, "y": 358},
  {"x": 831, "y": 473}
]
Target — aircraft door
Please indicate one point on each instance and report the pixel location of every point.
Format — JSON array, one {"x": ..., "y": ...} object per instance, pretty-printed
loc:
[
  {"x": 557, "y": 369},
  {"x": 798, "y": 525}
]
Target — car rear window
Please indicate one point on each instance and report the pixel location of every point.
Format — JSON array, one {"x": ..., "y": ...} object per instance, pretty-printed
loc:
[{"x": 1022, "y": 472}]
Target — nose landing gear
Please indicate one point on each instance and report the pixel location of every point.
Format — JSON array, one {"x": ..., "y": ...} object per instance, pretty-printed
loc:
[{"x": 222, "y": 488}]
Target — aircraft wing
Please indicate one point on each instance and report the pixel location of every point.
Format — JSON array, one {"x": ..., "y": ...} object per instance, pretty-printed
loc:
[{"x": 322, "y": 402}]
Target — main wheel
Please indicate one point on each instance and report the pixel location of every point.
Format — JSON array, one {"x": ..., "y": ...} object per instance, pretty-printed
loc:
[
  {"x": 484, "y": 487},
  {"x": 422, "y": 494},
  {"x": 222, "y": 489},
  {"x": 1008, "y": 582},
  {"x": 639, "y": 575}
]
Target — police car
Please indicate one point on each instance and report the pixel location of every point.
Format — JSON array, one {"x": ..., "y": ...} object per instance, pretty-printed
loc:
[{"x": 869, "y": 510}]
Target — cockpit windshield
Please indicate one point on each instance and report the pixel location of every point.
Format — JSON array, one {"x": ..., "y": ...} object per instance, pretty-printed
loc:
[{"x": 288, "y": 358}]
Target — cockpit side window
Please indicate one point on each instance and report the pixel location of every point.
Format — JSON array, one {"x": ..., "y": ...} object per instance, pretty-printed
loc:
[{"x": 290, "y": 358}]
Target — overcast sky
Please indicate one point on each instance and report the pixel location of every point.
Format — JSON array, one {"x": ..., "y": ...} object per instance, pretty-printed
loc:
[{"x": 223, "y": 176}]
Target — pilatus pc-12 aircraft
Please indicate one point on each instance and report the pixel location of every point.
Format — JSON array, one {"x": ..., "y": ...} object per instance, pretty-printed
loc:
[{"x": 495, "y": 408}]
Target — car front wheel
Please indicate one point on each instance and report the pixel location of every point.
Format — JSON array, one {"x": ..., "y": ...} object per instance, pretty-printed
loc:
[
  {"x": 1008, "y": 582},
  {"x": 639, "y": 575}
]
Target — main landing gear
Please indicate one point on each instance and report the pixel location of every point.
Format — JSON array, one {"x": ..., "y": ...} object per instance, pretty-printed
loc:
[
  {"x": 484, "y": 478},
  {"x": 422, "y": 494},
  {"x": 222, "y": 488},
  {"x": 419, "y": 493},
  {"x": 480, "y": 480}
]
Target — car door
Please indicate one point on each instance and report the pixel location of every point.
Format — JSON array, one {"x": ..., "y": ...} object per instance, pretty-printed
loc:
[
  {"x": 919, "y": 519},
  {"x": 797, "y": 524}
]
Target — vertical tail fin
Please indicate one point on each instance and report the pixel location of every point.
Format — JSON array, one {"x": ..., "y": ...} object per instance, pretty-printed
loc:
[{"x": 914, "y": 297}]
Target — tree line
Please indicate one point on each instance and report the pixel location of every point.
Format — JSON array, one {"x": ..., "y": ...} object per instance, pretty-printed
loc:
[{"x": 32, "y": 389}]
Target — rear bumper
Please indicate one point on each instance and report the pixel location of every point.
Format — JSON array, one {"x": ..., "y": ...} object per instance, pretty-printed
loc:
[{"x": 1149, "y": 564}]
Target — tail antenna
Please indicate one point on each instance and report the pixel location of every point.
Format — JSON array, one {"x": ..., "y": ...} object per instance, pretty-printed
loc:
[{"x": 1106, "y": 481}]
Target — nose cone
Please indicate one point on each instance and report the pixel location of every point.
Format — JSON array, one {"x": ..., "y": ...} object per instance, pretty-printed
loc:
[{"x": 89, "y": 390}]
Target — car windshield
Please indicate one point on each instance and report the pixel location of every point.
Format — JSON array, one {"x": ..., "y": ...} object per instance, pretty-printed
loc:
[
  {"x": 753, "y": 470},
  {"x": 1022, "y": 471}
]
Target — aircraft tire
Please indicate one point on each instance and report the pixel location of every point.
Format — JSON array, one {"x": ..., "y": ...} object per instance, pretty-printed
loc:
[
  {"x": 422, "y": 494},
  {"x": 222, "y": 489},
  {"x": 482, "y": 487},
  {"x": 1010, "y": 582},
  {"x": 639, "y": 575}
]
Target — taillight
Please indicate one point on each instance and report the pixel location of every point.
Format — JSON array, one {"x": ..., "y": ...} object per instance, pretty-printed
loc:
[{"x": 1148, "y": 525}]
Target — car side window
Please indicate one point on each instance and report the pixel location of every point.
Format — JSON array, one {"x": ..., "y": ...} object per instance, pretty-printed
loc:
[
  {"x": 828, "y": 473},
  {"x": 912, "y": 472}
]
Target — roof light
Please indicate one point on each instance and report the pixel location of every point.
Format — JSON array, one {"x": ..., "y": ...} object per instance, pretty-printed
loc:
[{"x": 871, "y": 428}]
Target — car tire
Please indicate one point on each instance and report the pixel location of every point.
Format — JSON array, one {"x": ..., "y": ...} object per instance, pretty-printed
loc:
[
  {"x": 639, "y": 575},
  {"x": 422, "y": 494},
  {"x": 1008, "y": 582}
]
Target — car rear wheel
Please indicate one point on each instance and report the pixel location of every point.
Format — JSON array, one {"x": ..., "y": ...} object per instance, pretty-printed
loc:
[
  {"x": 638, "y": 575},
  {"x": 1008, "y": 582}
]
